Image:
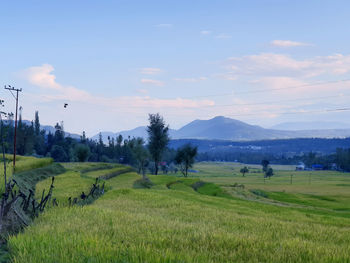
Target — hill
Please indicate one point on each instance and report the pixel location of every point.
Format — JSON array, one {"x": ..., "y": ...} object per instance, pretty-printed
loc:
[
  {"x": 223, "y": 128},
  {"x": 47, "y": 129}
]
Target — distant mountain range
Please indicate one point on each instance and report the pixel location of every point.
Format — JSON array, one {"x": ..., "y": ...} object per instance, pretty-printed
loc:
[
  {"x": 222, "y": 128},
  {"x": 313, "y": 125},
  {"x": 51, "y": 129}
]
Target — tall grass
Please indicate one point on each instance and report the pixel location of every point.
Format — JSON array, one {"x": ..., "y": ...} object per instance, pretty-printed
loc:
[
  {"x": 23, "y": 163},
  {"x": 177, "y": 222},
  {"x": 177, "y": 226}
]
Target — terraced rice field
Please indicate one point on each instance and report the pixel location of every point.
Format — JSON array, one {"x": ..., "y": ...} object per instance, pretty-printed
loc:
[{"x": 215, "y": 215}]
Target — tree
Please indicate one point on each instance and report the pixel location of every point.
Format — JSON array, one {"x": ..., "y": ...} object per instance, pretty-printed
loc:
[
  {"x": 59, "y": 134},
  {"x": 119, "y": 140},
  {"x": 244, "y": 170},
  {"x": 39, "y": 136},
  {"x": 269, "y": 172},
  {"x": 265, "y": 164},
  {"x": 140, "y": 154},
  {"x": 37, "y": 124},
  {"x": 158, "y": 138},
  {"x": 83, "y": 138},
  {"x": 58, "y": 154},
  {"x": 342, "y": 159},
  {"x": 185, "y": 157},
  {"x": 81, "y": 152},
  {"x": 20, "y": 140}
]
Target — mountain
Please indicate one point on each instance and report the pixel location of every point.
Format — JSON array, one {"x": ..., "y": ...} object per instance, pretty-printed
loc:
[
  {"x": 137, "y": 132},
  {"x": 314, "y": 125},
  {"x": 140, "y": 131},
  {"x": 48, "y": 129},
  {"x": 223, "y": 128}
]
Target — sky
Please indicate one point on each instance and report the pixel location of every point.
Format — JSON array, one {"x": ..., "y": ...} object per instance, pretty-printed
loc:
[{"x": 263, "y": 62}]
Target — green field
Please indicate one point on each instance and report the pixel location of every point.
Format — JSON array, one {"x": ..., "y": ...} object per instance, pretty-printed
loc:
[
  {"x": 215, "y": 215},
  {"x": 22, "y": 164}
]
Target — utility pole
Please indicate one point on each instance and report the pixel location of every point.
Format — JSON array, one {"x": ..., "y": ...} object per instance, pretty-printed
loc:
[
  {"x": 8, "y": 87},
  {"x": 2, "y": 142}
]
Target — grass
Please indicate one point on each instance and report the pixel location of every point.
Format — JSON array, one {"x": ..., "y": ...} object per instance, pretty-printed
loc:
[
  {"x": 204, "y": 218},
  {"x": 23, "y": 163},
  {"x": 80, "y": 177}
]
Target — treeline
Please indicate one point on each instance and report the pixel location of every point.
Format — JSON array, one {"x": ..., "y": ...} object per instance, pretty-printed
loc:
[
  {"x": 286, "y": 147},
  {"x": 340, "y": 160},
  {"x": 31, "y": 140}
]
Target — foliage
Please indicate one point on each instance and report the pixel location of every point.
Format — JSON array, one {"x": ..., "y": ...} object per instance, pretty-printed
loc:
[
  {"x": 81, "y": 152},
  {"x": 185, "y": 157},
  {"x": 158, "y": 138},
  {"x": 343, "y": 159},
  {"x": 269, "y": 172},
  {"x": 59, "y": 154},
  {"x": 244, "y": 170},
  {"x": 265, "y": 164},
  {"x": 282, "y": 151},
  {"x": 141, "y": 155}
]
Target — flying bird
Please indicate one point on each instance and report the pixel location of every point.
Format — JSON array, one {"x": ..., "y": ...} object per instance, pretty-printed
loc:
[{"x": 65, "y": 105}]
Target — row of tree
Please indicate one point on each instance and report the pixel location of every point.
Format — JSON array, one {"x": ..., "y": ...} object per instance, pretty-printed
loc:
[
  {"x": 151, "y": 155},
  {"x": 155, "y": 154}
]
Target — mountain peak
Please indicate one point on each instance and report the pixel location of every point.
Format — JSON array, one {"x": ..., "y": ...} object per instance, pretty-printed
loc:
[{"x": 224, "y": 128}]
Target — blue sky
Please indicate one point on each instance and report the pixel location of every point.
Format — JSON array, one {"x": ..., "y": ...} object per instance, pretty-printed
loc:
[{"x": 116, "y": 61}]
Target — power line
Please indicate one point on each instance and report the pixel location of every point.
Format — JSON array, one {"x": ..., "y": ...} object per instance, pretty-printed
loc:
[
  {"x": 264, "y": 90},
  {"x": 255, "y": 103},
  {"x": 276, "y": 101},
  {"x": 297, "y": 112}
]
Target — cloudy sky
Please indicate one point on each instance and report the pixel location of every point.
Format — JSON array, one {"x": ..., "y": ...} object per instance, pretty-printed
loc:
[{"x": 263, "y": 62}]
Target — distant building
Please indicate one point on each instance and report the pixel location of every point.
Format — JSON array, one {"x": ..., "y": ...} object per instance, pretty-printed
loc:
[
  {"x": 317, "y": 167},
  {"x": 300, "y": 167},
  {"x": 334, "y": 166}
]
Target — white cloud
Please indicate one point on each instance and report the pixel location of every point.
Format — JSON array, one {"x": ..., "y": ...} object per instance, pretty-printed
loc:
[
  {"x": 205, "y": 32},
  {"x": 153, "y": 82},
  {"x": 191, "y": 79},
  {"x": 43, "y": 77},
  {"x": 150, "y": 71},
  {"x": 271, "y": 64},
  {"x": 288, "y": 43}
]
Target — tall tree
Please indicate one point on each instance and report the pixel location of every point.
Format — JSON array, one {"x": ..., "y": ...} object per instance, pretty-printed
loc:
[
  {"x": 185, "y": 158},
  {"x": 158, "y": 138},
  {"x": 39, "y": 136},
  {"x": 140, "y": 154},
  {"x": 20, "y": 140},
  {"x": 265, "y": 164},
  {"x": 244, "y": 170},
  {"x": 37, "y": 124}
]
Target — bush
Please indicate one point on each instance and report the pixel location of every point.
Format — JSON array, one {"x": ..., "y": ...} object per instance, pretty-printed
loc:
[
  {"x": 59, "y": 154},
  {"x": 81, "y": 152}
]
